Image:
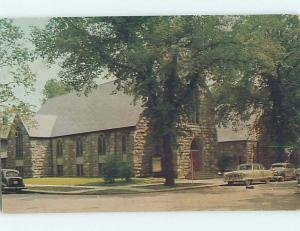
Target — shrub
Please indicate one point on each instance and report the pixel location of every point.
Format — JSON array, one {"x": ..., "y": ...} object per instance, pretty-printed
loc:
[
  {"x": 125, "y": 171},
  {"x": 114, "y": 168},
  {"x": 111, "y": 168}
]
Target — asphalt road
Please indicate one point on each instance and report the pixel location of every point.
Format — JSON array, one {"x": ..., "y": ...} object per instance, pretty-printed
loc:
[{"x": 273, "y": 196}]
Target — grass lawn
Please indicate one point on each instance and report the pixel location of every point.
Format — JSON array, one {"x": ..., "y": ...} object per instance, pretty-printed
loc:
[{"x": 88, "y": 181}]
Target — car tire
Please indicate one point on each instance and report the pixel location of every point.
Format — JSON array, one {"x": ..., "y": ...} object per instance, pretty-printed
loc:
[{"x": 248, "y": 183}]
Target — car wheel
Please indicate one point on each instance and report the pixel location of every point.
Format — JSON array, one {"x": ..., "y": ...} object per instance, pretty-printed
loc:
[{"x": 247, "y": 183}]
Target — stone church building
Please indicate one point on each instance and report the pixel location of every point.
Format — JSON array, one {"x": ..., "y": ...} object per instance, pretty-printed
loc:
[{"x": 72, "y": 135}]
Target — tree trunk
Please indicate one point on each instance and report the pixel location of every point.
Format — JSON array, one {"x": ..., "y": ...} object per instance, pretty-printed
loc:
[{"x": 168, "y": 166}]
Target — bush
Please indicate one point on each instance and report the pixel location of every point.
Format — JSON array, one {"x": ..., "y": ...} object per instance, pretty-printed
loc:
[
  {"x": 125, "y": 171},
  {"x": 114, "y": 168},
  {"x": 111, "y": 168}
]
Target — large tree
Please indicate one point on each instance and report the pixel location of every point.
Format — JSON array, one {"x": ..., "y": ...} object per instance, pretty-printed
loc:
[
  {"x": 14, "y": 70},
  {"x": 268, "y": 85},
  {"x": 54, "y": 87},
  {"x": 162, "y": 61}
]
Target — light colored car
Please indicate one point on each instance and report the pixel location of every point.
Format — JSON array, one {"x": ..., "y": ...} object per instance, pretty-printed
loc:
[
  {"x": 11, "y": 181},
  {"x": 248, "y": 173},
  {"x": 283, "y": 171}
]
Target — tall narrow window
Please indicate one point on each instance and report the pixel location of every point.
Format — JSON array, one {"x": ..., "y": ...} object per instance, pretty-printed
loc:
[
  {"x": 124, "y": 145},
  {"x": 59, "y": 149},
  {"x": 194, "y": 114},
  {"x": 19, "y": 145},
  {"x": 60, "y": 170},
  {"x": 79, "y": 147},
  {"x": 102, "y": 145},
  {"x": 79, "y": 169}
]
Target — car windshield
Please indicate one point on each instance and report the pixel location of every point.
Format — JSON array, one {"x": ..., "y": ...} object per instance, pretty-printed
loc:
[
  {"x": 278, "y": 166},
  {"x": 11, "y": 174},
  {"x": 245, "y": 167}
]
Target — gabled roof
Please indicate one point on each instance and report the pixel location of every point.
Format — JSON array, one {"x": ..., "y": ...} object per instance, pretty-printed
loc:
[{"x": 103, "y": 109}]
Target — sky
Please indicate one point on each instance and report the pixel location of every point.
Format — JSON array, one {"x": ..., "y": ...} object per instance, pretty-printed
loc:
[{"x": 39, "y": 67}]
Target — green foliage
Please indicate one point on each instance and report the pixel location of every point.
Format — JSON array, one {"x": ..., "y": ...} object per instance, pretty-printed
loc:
[
  {"x": 54, "y": 88},
  {"x": 15, "y": 71},
  {"x": 225, "y": 160},
  {"x": 115, "y": 168},
  {"x": 111, "y": 168},
  {"x": 125, "y": 171},
  {"x": 268, "y": 84}
]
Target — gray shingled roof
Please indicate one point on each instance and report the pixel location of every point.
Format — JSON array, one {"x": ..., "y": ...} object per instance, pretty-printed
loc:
[{"x": 100, "y": 110}]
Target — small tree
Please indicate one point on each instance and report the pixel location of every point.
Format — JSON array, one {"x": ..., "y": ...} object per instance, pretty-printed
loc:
[
  {"x": 111, "y": 168},
  {"x": 125, "y": 171}
]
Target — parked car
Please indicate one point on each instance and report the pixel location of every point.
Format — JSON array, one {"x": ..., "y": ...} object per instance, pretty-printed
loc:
[
  {"x": 248, "y": 173},
  {"x": 283, "y": 171},
  {"x": 11, "y": 181}
]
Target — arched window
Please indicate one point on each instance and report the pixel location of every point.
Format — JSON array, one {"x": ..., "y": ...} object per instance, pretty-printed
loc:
[
  {"x": 79, "y": 147},
  {"x": 59, "y": 148},
  {"x": 124, "y": 144},
  {"x": 102, "y": 145},
  {"x": 194, "y": 109},
  {"x": 19, "y": 145}
]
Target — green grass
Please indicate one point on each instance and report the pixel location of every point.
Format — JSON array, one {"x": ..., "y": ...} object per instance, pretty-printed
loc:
[
  {"x": 63, "y": 180},
  {"x": 88, "y": 181}
]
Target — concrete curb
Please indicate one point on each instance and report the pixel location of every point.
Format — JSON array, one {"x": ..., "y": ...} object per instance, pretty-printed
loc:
[{"x": 119, "y": 193}]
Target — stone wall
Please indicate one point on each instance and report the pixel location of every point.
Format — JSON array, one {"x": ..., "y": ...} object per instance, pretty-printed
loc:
[
  {"x": 204, "y": 133},
  {"x": 90, "y": 158},
  {"x": 41, "y": 157}
]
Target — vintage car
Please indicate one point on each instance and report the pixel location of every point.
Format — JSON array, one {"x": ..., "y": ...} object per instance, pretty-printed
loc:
[
  {"x": 11, "y": 181},
  {"x": 283, "y": 171},
  {"x": 248, "y": 173}
]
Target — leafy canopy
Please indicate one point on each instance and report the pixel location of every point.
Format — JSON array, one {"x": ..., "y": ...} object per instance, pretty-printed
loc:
[{"x": 14, "y": 69}]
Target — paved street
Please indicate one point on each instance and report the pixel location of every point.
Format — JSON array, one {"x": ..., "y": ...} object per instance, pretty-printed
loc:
[{"x": 273, "y": 196}]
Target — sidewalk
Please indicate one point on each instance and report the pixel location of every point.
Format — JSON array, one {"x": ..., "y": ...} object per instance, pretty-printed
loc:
[{"x": 181, "y": 184}]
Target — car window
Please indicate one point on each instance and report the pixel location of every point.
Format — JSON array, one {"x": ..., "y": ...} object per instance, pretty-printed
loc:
[
  {"x": 11, "y": 174},
  {"x": 244, "y": 167}
]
